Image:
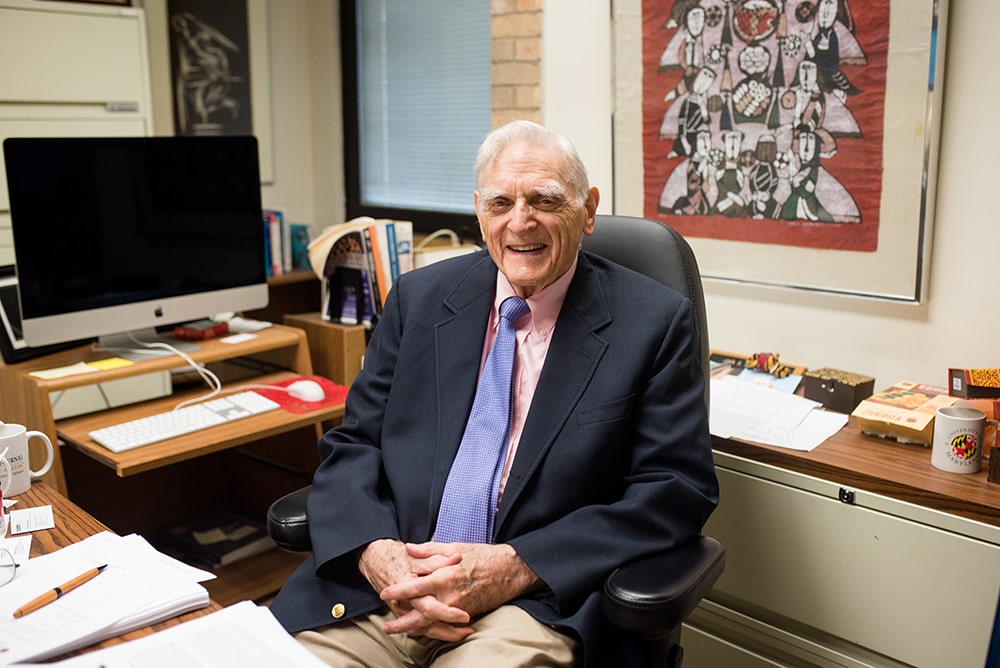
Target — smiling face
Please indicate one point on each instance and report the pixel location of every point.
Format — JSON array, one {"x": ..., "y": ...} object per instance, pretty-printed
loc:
[{"x": 530, "y": 217}]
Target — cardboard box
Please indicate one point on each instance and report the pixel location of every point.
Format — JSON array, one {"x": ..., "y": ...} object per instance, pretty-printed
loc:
[
  {"x": 904, "y": 412},
  {"x": 837, "y": 390},
  {"x": 974, "y": 383}
]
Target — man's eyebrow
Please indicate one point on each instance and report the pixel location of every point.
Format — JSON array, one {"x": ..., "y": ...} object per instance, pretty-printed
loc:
[
  {"x": 548, "y": 191},
  {"x": 552, "y": 191},
  {"x": 490, "y": 195}
]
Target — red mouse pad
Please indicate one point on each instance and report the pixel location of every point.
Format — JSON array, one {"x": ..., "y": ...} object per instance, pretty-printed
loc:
[{"x": 335, "y": 394}]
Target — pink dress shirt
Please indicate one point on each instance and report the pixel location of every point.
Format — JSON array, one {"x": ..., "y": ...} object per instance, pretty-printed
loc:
[{"x": 533, "y": 336}]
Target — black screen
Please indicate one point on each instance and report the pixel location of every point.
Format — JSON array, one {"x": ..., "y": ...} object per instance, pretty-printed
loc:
[{"x": 102, "y": 222}]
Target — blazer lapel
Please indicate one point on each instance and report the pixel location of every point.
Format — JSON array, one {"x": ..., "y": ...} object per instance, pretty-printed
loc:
[{"x": 573, "y": 356}]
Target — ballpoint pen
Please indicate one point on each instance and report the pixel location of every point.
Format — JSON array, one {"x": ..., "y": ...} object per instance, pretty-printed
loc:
[{"x": 58, "y": 592}]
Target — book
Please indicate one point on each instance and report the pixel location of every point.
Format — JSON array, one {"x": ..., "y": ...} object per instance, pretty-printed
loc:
[
  {"x": 904, "y": 412},
  {"x": 340, "y": 258},
  {"x": 299, "y": 237},
  {"x": 404, "y": 244},
  {"x": 217, "y": 538},
  {"x": 385, "y": 254},
  {"x": 277, "y": 242},
  {"x": 373, "y": 256},
  {"x": 357, "y": 263}
]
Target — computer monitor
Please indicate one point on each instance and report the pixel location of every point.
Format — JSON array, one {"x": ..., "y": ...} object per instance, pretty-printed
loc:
[{"x": 116, "y": 235}]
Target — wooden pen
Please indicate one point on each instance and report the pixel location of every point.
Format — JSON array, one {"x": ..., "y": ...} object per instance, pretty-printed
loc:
[{"x": 58, "y": 592}]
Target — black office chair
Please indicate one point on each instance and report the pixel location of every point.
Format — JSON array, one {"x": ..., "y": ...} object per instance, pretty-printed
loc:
[{"x": 646, "y": 600}]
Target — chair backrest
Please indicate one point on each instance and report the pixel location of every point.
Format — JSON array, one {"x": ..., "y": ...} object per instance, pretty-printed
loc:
[{"x": 660, "y": 252}]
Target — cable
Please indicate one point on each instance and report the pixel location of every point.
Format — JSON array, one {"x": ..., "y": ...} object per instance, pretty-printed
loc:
[{"x": 210, "y": 378}]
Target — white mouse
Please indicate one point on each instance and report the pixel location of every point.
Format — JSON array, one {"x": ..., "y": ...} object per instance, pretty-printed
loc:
[{"x": 307, "y": 390}]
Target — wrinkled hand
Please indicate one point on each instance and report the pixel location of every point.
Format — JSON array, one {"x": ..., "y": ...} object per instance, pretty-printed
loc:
[
  {"x": 470, "y": 578},
  {"x": 386, "y": 563}
]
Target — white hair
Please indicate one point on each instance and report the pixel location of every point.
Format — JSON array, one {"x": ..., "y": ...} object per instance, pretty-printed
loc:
[{"x": 526, "y": 131}]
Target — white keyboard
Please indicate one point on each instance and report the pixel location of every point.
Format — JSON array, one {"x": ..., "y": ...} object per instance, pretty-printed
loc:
[{"x": 159, "y": 427}]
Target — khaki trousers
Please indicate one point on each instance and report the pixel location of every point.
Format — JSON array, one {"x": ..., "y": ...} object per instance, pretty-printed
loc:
[{"x": 505, "y": 638}]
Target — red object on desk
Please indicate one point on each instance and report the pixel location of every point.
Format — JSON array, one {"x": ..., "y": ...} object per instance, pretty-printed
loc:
[{"x": 335, "y": 394}]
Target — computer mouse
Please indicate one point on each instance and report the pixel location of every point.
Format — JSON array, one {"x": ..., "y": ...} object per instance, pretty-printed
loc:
[{"x": 307, "y": 390}]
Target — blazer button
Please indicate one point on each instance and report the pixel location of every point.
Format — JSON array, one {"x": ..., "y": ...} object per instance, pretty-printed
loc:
[{"x": 338, "y": 610}]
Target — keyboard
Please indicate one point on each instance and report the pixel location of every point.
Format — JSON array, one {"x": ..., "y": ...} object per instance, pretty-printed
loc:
[{"x": 159, "y": 427}]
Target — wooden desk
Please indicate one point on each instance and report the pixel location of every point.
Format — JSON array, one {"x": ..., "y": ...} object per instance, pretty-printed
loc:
[
  {"x": 280, "y": 353},
  {"x": 901, "y": 471},
  {"x": 74, "y": 524}
]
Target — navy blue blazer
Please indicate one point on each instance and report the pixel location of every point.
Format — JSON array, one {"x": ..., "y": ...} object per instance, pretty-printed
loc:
[{"x": 614, "y": 462}]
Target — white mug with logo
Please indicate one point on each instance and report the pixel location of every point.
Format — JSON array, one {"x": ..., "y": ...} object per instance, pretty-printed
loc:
[
  {"x": 959, "y": 436},
  {"x": 15, "y": 472}
]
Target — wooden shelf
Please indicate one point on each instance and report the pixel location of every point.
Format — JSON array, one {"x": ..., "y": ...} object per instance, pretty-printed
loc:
[
  {"x": 26, "y": 398},
  {"x": 74, "y": 431},
  {"x": 254, "y": 579}
]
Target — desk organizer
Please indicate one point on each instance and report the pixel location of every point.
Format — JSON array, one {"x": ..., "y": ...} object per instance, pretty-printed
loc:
[{"x": 840, "y": 391}]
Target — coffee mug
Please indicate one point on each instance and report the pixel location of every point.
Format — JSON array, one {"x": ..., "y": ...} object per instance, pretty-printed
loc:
[
  {"x": 16, "y": 475},
  {"x": 959, "y": 436}
]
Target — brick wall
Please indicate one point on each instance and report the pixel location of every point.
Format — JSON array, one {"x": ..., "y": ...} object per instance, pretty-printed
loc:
[{"x": 517, "y": 53}]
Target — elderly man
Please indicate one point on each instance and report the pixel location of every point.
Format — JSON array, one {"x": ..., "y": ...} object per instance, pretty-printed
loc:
[{"x": 601, "y": 457}]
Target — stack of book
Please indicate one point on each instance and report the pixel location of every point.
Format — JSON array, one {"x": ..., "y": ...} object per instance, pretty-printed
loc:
[
  {"x": 285, "y": 243},
  {"x": 216, "y": 538},
  {"x": 357, "y": 262}
]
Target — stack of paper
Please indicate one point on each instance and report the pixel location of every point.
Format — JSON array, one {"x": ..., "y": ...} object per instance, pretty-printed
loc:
[
  {"x": 769, "y": 416},
  {"x": 140, "y": 586},
  {"x": 242, "y": 635}
]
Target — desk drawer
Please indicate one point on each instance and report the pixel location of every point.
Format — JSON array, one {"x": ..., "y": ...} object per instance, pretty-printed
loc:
[{"x": 917, "y": 593}]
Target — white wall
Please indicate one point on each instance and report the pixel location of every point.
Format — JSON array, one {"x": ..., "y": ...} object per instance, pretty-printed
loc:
[{"x": 957, "y": 325}]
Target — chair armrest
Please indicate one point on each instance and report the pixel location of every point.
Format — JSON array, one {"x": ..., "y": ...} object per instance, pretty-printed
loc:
[
  {"x": 288, "y": 521},
  {"x": 653, "y": 596}
]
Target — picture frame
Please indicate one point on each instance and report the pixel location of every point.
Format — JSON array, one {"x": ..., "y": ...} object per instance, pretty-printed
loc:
[
  {"x": 258, "y": 52},
  {"x": 851, "y": 215}
]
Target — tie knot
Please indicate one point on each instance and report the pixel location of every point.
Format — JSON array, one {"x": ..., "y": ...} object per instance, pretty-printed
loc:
[{"x": 514, "y": 308}]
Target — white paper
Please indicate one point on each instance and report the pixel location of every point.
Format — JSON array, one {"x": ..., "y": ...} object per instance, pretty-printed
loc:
[
  {"x": 242, "y": 635},
  {"x": 18, "y": 546},
  {"x": 139, "y": 586},
  {"x": 765, "y": 415},
  {"x": 31, "y": 519}
]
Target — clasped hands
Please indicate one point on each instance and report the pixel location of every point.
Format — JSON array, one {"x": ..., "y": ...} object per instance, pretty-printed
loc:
[{"x": 436, "y": 589}]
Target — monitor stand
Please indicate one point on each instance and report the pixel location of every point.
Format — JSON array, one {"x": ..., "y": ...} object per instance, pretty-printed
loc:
[{"x": 135, "y": 346}]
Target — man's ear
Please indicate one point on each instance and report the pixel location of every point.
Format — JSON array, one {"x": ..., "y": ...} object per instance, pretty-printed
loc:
[{"x": 593, "y": 198}]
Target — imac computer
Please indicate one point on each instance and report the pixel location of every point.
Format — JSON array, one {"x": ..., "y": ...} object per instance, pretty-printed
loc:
[{"x": 118, "y": 235}]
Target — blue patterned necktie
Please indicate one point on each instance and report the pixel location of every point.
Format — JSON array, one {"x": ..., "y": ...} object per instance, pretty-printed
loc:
[{"x": 470, "y": 495}]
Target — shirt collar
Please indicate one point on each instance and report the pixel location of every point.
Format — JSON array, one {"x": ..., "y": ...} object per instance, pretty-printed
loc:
[{"x": 544, "y": 304}]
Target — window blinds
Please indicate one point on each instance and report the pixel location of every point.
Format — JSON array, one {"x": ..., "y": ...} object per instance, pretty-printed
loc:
[{"x": 424, "y": 101}]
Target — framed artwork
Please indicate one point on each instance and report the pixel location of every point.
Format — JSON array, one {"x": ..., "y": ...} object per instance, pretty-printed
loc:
[
  {"x": 794, "y": 142},
  {"x": 220, "y": 70}
]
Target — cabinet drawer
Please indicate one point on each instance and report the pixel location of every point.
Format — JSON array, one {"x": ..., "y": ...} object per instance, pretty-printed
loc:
[
  {"x": 72, "y": 56},
  {"x": 912, "y": 591}
]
